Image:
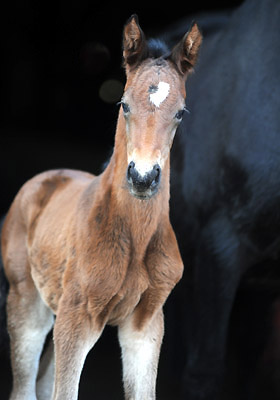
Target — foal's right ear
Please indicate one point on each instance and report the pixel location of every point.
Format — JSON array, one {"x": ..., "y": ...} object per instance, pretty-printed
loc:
[{"x": 134, "y": 44}]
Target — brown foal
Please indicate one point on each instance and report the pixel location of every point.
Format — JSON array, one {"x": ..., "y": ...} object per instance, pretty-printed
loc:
[{"x": 101, "y": 250}]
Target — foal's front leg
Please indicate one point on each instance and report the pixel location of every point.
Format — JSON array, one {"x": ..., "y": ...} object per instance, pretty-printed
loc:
[
  {"x": 74, "y": 336},
  {"x": 140, "y": 353}
]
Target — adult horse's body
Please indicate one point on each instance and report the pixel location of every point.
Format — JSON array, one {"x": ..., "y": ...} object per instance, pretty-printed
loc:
[
  {"x": 101, "y": 250},
  {"x": 227, "y": 157}
]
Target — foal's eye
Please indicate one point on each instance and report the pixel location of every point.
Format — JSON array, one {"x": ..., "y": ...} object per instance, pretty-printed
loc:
[
  {"x": 125, "y": 108},
  {"x": 179, "y": 114}
]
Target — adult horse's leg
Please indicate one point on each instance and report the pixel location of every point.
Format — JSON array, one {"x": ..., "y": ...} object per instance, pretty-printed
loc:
[
  {"x": 219, "y": 262},
  {"x": 140, "y": 354},
  {"x": 29, "y": 321}
]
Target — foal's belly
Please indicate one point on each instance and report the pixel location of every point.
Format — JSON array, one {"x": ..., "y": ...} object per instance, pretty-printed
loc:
[{"x": 48, "y": 283}]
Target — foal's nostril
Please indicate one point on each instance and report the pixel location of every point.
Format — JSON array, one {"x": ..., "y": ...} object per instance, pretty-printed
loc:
[
  {"x": 143, "y": 183},
  {"x": 131, "y": 172},
  {"x": 131, "y": 165},
  {"x": 155, "y": 175}
]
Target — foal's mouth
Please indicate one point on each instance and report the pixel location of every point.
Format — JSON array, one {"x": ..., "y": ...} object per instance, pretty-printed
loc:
[{"x": 147, "y": 195}]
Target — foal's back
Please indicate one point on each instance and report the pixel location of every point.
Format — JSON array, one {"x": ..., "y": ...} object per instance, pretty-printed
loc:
[{"x": 63, "y": 187}]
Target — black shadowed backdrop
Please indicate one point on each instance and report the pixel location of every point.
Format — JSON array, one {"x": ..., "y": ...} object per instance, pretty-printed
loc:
[{"x": 61, "y": 80}]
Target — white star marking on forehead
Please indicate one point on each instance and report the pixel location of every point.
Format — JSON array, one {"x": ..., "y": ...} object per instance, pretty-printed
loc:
[{"x": 159, "y": 93}]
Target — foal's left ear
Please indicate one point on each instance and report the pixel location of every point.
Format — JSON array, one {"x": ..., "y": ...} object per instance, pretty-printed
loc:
[
  {"x": 185, "y": 53},
  {"x": 134, "y": 44}
]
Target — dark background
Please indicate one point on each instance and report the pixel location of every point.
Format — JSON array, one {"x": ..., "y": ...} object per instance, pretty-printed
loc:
[{"x": 55, "y": 57}]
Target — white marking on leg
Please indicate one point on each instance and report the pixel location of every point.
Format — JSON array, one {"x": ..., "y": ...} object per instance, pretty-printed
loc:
[
  {"x": 160, "y": 94},
  {"x": 45, "y": 378},
  {"x": 140, "y": 353},
  {"x": 27, "y": 339}
]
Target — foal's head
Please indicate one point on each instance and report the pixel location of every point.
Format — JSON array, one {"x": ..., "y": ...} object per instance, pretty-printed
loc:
[{"x": 153, "y": 102}]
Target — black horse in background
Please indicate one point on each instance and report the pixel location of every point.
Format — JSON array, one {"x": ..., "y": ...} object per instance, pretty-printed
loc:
[{"x": 227, "y": 162}]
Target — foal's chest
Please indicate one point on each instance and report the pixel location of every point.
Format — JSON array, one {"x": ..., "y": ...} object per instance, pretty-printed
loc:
[{"x": 135, "y": 284}]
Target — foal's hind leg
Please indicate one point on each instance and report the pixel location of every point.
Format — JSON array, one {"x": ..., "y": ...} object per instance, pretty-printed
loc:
[
  {"x": 140, "y": 354},
  {"x": 29, "y": 321},
  {"x": 45, "y": 379}
]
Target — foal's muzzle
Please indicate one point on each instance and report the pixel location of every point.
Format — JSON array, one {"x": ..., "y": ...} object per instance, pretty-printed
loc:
[{"x": 143, "y": 186}]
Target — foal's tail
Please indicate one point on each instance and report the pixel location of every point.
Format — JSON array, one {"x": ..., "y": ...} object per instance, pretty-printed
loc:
[{"x": 4, "y": 287}]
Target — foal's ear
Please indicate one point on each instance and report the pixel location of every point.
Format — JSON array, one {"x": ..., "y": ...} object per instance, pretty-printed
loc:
[
  {"x": 134, "y": 44},
  {"x": 185, "y": 53}
]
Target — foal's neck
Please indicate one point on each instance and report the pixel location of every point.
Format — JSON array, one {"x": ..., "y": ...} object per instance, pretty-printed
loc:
[{"x": 114, "y": 178}]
